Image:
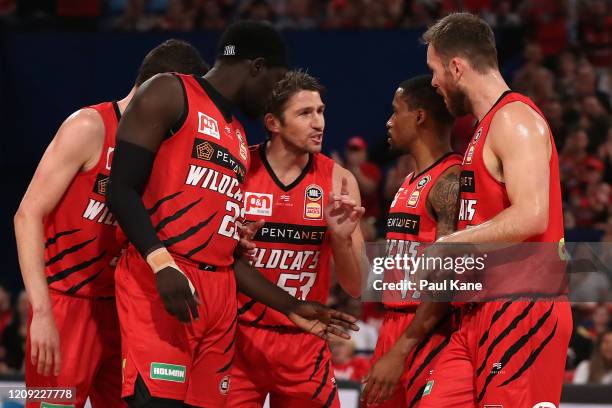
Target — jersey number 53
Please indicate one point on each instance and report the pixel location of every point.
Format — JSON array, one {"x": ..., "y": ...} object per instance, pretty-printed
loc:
[{"x": 290, "y": 281}]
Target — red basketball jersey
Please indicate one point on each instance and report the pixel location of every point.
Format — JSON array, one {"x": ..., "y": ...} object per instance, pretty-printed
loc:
[
  {"x": 194, "y": 195},
  {"x": 293, "y": 250},
  {"x": 541, "y": 268},
  {"x": 410, "y": 224},
  {"x": 483, "y": 197},
  {"x": 80, "y": 244}
]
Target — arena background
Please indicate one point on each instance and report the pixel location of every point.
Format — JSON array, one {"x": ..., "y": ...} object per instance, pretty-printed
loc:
[{"x": 56, "y": 56}]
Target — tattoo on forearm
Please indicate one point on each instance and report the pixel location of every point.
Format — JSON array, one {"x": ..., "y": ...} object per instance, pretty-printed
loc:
[{"x": 444, "y": 198}]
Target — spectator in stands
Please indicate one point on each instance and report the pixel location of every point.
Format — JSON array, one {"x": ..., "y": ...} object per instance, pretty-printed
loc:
[
  {"x": 14, "y": 337},
  {"x": 134, "y": 17},
  {"x": 347, "y": 366},
  {"x": 526, "y": 75},
  {"x": 6, "y": 311},
  {"x": 601, "y": 321},
  {"x": 180, "y": 16},
  {"x": 571, "y": 160},
  {"x": 597, "y": 370},
  {"x": 364, "y": 339},
  {"x": 367, "y": 174},
  {"x": 595, "y": 32},
  {"x": 298, "y": 16},
  {"x": 211, "y": 16},
  {"x": 260, "y": 10},
  {"x": 396, "y": 175},
  {"x": 605, "y": 155}
]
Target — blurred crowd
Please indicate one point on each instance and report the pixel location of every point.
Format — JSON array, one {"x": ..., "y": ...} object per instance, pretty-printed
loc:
[{"x": 555, "y": 23}]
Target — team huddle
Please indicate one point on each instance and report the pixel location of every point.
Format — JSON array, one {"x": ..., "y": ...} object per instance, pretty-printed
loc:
[{"x": 170, "y": 264}]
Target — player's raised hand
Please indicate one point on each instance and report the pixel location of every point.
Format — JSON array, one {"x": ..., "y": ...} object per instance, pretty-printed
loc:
[
  {"x": 342, "y": 212},
  {"x": 246, "y": 246},
  {"x": 45, "y": 344},
  {"x": 383, "y": 377},
  {"x": 322, "y": 321}
]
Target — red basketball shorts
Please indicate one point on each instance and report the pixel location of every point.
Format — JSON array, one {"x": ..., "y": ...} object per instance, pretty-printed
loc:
[
  {"x": 419, "y": 362},
  {"x": 187, "y": 362},
  {"x": 292, "y": 366},
  {"x": 90, "y": 345},
  {"x": 504, "y": 354}
]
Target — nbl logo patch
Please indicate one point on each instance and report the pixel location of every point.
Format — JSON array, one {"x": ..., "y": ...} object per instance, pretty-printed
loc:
[
  {"x": 423, "y": 182},
  {"x": 313, "y": 202},
  {"x": 224, "y": 385},
  {"x": 100, "y": 184}
]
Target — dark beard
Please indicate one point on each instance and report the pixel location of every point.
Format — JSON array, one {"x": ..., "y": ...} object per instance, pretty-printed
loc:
[{"x": 457, "y": 103}]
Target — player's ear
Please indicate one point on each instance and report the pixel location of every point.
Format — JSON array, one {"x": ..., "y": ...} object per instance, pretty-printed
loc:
[
  {"x": 421, "y": 116},
  {"x": 272, "y": 123},
  {"x": 258, "y": 65},
  {"x": 456, "y": 66}
]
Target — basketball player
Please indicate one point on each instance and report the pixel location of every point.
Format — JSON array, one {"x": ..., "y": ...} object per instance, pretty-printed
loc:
[
  {"x": 504, "y": 353},
  {"x": 66, "y": 243},
  {"x": 176, "y": 190},
  {"x": 289, "y": 185},
  {"x": 420, "y": 125}
]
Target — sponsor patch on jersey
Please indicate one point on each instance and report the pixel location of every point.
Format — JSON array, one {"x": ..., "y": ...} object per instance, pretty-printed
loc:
[
  {"x": 467, "y": 182},
  {"x": 295, "y": 234},
  {"x": 477, "y": 135},
  {"x": 204, "y": 151},
  {"x": 423, "y": 182},
  {"x": 208, "y": 126},
  {"x": 243, "y": 146},
  {"x": 404, "y": 223},
  {"x": 258, "y": 203},
  {"x": 109, "y": 157},
  {"x": 168, "y": 372},
  {"x": 428, "y": 387},
  {"x": 224, "y": 385},
  {"x": 469, "y": 155},
  {"x": 212, "y": 152},
  {"x": 413, "y": 200},
  {"x": 100, "y": 184},
  {"x": 313, "y": 202}
]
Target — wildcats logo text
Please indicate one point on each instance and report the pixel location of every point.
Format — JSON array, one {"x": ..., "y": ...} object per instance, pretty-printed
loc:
[
  {"x": 286, "y": 259},
  {"x": 98, "y": 211}
]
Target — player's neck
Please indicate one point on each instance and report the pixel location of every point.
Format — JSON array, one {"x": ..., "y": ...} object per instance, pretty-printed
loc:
[
  {"x": 488, "y": 89},
  {"x": 426, "y": 154},
  {"x": 123, "y": 103},
  {"x": 225, "y": 81},
  {"x": 285, "y": 160}
]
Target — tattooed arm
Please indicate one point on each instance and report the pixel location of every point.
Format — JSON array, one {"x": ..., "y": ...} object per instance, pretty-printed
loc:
[{"x": 442, "y": 202}]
